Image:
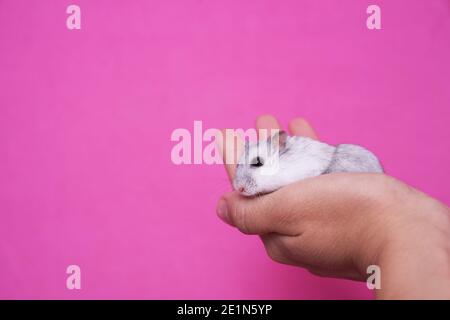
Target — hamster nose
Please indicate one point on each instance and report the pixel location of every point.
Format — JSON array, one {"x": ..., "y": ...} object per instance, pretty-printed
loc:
[{"x": 241, "y": 189}]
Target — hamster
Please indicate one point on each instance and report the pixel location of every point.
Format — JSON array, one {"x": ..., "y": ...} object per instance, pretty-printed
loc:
[{"x": 266, "y": 166}]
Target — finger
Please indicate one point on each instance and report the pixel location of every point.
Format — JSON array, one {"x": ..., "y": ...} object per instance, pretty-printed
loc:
[
  {"x": 258, "y": 215},
  {"x": 230, "y": 147},
  {"x": 301, "y": 127},
  {"x": 295, "y": 251},
  {"x": 289, "y": 210},
  {"x": 264, "y": 125}
]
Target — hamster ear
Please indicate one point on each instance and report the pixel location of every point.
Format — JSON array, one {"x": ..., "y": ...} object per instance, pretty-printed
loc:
[{"x": 279, "y": 140}]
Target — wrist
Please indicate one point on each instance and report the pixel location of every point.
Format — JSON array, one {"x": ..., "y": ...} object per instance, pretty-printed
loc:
[{"x": 410, "y": 243}]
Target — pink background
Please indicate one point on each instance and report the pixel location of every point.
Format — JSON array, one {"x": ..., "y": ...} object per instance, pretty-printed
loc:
[{"x": 86, "y": 118}]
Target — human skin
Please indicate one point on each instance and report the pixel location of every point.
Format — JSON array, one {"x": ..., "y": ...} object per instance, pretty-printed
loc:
[{"x": 336, "y": 225}]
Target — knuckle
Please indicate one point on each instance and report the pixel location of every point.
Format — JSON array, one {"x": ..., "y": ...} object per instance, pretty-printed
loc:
[
  {"x": 274, "y": 252},
  {"x": 276, "y": 256}
]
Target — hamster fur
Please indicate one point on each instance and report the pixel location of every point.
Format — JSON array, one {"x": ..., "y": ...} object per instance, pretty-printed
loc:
[{"x": 295, "y": 158}]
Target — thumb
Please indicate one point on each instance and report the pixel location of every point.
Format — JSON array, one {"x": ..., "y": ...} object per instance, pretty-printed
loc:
[{"x": 258, "y": 215}]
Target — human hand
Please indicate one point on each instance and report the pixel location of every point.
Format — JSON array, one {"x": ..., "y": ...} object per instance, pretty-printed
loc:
[{"x": 339, "y": 224}]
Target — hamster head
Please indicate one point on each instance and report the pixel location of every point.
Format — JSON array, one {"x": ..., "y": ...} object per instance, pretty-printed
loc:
[{"x": 258, "y": 164}]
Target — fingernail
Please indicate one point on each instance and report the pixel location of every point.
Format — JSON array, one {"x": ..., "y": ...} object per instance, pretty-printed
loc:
[{"x": 222, "y": 211}]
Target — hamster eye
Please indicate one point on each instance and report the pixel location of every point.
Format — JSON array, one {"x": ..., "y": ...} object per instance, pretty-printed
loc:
[{"x": 257, "y": 162}]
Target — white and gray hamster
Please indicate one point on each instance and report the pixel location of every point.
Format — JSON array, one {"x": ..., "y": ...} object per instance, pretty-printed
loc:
[{"x": 268, "y": 165}]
